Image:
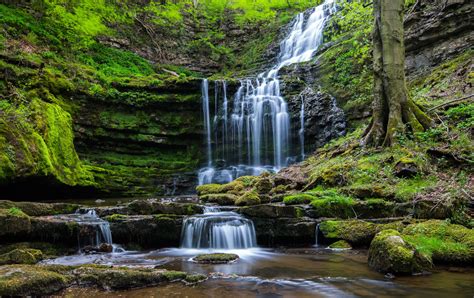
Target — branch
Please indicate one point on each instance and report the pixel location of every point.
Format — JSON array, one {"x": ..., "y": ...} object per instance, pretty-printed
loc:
[{"x": 450, "y": 102}]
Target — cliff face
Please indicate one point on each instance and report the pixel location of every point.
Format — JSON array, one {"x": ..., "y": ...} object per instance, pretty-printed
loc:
[{"x": 62, "y": 126}]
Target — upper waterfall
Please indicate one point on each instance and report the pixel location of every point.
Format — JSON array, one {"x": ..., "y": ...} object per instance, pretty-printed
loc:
[{"x": 254, "y": 135}]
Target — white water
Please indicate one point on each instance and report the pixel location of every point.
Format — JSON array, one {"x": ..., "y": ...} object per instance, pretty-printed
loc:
[
  {"x": 254, "y": 136},
  {"x": 301, "y": 131},
  {"x": 218, "y": 230}
]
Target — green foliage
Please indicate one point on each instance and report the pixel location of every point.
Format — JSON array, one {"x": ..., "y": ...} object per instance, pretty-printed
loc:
[
  {"x": 298, "y": 199},
  {"x": 463, "y": 115}
]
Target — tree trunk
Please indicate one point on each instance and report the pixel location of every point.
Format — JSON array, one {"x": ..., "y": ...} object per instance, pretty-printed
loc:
[{"x": 393, "y": 110}]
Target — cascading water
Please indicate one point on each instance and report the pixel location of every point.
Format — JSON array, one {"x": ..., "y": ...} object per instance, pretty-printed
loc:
[
  {"x": 218, "y": 230},
  {"x": 103, "y": 233},
  {"x": 254, "y": 136},
  {"x": 301, "y": 131}
]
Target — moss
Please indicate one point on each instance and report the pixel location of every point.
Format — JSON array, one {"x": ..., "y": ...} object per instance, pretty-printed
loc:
[
  {"x": 14, "y": 221},
  {"x": 341, "y": 244},
  {"x": 248, "y": 199},
  {"x": 298, "y": 199},
  {"x": 209, "y": 189},
  {"x": 356, "y": 232},
  {"x": 30, "y": 280},
  {"x": 247, "y": 181},
  {"x": 48, "y": 250},
  {"x": 21, "y": 256},
  {"x": 263, "y": 184},
  {"x": 116, "y": 217},
  {"x": 442, "y": 242},
  {"x": 220, "y": 199},
  {"x": 41, "y": 209},
  {"x": 195, "y": 278},
  {"x": 388, "y": 252},
  {"x": 334, "y": 206},
  {"x": 174, "y": 275},
  {"x": 215, "y": 258}
]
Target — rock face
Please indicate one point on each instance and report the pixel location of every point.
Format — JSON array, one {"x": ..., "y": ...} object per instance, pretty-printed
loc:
[
  {"x": 323, "y": 119},
  {"x": 437, "y": 31},
  {"x": 281, "y": 225},
  {"x": 389, "y": 253}
]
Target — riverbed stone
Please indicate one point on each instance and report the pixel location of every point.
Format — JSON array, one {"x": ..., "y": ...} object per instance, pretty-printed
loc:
[
  {"x": 341, "y": 244},
  {"x": 390, "y": 253},
  {"x": 215, "y": 258},
  {"x": 21, "y": 256},
  {"x": 13, "y": 222}
]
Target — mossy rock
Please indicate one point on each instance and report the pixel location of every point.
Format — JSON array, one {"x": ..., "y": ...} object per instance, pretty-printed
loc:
[
  {"x": 341, "y": 244},
  {"x": 195, "y": 278},
  {"x": 215, "y": 258},
  {"x": 263, "y": 184},
  {"x": 41, "y": 209},
  {"x": 250, "y": 198},
  {"x": 356, "y": 232},
  {"x": 116, "y": 217},
  {"x": 14, "y": 221},
  {"x": 339, "y": 207},
  {"x": 390, "y": 253},
  {"x": 442, "y": 242},
  {"x": 235, "y": 187},
  {"x": 301, "y": 198},
  {"x": 208, "y": 189},
  {"x": 247, "y": 181},
  {"x": 27, "y": 280},
  {"x": 22, "y": 256},
  {"x": 220, "y": 199},
  {"x": 49, "y": 250}
]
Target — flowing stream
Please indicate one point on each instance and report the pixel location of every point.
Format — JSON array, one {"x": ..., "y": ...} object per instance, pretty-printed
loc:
[
  {"x": 254, "y": 135},
  {"x": 217, "y": 229}
]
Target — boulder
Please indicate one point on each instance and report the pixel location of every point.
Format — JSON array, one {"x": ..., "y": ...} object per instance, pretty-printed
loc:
[
  {"x": 215, "y": 258},
  {"x": 270, "y": 211},
  {"x": 21, "y": 256},
  {"x": 356, "y": 232},
  {"x": 390, "y": 253}
]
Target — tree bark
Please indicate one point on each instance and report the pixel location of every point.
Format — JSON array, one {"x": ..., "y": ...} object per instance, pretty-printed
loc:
[{"x": 393, "y": 111}]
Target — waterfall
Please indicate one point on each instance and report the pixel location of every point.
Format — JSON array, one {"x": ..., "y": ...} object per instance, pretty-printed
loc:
[
  {"x": 301, "y": 131},
  {"x": 218, "y": 230},
  {"x": 254, "y": 134},
  {"x": 103, "y": 233}
]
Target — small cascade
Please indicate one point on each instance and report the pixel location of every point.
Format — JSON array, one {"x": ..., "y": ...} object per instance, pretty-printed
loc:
[
  {"x": 216, "y": 229},
  {"x": 252, "y": 135},
  {"x": 103, "y": 234},
  {"x": 316, "y": 235},
  {"x": 301, "y": 131}
]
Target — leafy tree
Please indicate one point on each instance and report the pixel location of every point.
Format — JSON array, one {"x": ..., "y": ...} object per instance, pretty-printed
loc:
[{"x": 393, "y": 110}]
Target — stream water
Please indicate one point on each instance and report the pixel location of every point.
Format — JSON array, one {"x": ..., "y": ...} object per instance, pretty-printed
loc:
[{"x": 293, "y": 273}]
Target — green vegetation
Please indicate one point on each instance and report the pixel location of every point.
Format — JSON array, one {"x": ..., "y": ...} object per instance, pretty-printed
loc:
[{"x": 215, "y": 258}]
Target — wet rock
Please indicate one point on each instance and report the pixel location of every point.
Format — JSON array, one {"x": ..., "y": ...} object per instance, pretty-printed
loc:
[
  {"x": 148, "y": 231},
  {"x": 291, "y": 177},
  {"x": 406, "y": 169},
  {"x": 13, "y": 222},
  {"x": 284, "y": 231},
  {"x": 21, "y": 256},
  {"x": 269, "y": 211},
  {"x": 215, "y": 258},
  {"x": 222, "y": 199},
  {"x": 28, "y": 280},
  {"x": 390, "y": 253},
  {"x": 105, "y": 247},
  {"x": 341, "y": 244},
  {"x": 356, "y": 232},
  {"x": 40, "y": 209},
  {"x": 151, "y": 206}
]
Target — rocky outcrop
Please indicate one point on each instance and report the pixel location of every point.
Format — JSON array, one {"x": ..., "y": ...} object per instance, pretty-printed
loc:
[{"x": 389, "y": 253}]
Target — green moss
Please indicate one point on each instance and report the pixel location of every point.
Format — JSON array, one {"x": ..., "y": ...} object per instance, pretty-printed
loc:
[
  {"x": 174, "y": 275},
  {"x": 302, "y": 198},
  {"x": 248, "y": 199},
  {"x": 195, "y": 278},
  {"x": 388, "y": 252},
  {"x": 215, "y": 258},
  {"x": 334, "y": 206},
  {"x": 341, "y": 244},
  {"x": 356, "y": 232},
  {"x": 220, "y": 199},
  {"x": 21, "y": 256},
  {"x": 29, "y": 280},
  {"x": 13, "y": 221},
  {"x": 116, "y": 217},
  {"x": 207, "y": 189}
]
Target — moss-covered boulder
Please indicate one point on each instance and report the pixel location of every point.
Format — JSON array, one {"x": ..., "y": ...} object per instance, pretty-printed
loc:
[
  {"x": 341, "y": 244},
  {"x": 263, "y": 184},
  {"x": 270, "y": 211},
  {"x": 215, "y": 258},
  {"x": 249, "y": 198},
  {"x": 21, "y": 256},
  {"x": 299, "y": 198},
  {"x": 26, "y": 280},
  {"x": 153, "y": 206},
  {"x": 40, "y": 209},
  {"x": 223, "y": 199},
  {"x": 442, "y": 242},
  {"x": 356, "y": 232},
  {"x": 13, "y": 221},
  {"x": 390, "y": 253}
]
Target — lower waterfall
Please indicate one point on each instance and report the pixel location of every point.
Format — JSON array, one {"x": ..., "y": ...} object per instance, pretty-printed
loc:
[{"x": 217, "y": 229}]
